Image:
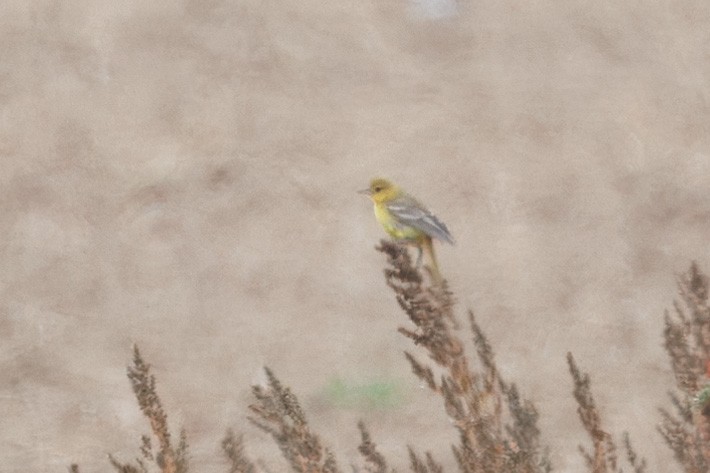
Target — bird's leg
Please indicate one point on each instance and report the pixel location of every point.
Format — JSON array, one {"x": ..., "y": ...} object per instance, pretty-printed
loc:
[{"x": 419, "y": 257}]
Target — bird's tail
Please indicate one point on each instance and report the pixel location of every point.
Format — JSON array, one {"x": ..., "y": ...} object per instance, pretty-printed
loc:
[{"x": 428, "y": 248}]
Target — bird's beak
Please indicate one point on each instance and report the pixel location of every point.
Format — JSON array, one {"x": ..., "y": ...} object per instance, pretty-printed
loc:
[{"x": 365, "y": 192}]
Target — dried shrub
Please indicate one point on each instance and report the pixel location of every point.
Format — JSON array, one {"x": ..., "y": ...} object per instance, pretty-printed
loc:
[
  {"x": 233, "y": 449},
  {"x": 603, "y": 458},
  {"x": 428, "y": 465},
  {"x": 169, "y": 459},
  {"x": 637, "y": 464},
  {"x": 374, "y": 461},
  {"x": 278, "y": 413},
  {"x": 687, "y": 341},
  {"x": 497, "y": 430}
]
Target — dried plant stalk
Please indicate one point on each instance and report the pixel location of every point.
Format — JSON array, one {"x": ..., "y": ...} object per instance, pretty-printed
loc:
[
  {"x": 687, "y": 341},
  {"x": 167, "y": 458},
  {"x": 604, "y": 458},
  {"x": 278, "y": 412},
  {"x": 374, "y": 461},
  {"x": 497, "y": 431},
  {"x": 233, "y": 449}
]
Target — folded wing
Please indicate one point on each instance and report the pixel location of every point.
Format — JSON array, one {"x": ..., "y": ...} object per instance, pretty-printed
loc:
[{"x": 410, "y": 212}]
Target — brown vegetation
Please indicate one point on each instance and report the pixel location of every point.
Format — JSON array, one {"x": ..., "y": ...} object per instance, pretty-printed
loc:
[
  {"x": 497, "y": 428},
  {"x": 169, "y": 459},
  {"x": 687, "y": 341}
]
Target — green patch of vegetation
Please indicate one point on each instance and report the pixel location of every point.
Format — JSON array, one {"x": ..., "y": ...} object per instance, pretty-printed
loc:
[{"x": 376, "y": 394}]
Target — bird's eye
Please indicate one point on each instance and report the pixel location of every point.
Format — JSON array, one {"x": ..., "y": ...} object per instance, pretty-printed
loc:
[{"x": 378, "y": 189}]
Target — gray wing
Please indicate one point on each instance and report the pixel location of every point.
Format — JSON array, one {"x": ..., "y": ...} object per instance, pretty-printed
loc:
[{"x": 410, "y": 212}]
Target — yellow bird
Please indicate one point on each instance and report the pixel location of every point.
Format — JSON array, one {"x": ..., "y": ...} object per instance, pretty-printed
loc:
[{"x": 407, "y": 220}]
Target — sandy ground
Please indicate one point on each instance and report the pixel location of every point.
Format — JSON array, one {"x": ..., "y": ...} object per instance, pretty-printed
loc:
[{"x": 182, "y": 175}]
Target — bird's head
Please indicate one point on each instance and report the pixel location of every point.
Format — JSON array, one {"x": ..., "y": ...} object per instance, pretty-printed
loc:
[{"x": 381, "y": 190}]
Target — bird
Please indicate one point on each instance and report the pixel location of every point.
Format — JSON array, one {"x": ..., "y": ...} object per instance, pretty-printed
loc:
[{"x": 406, "y": 220}]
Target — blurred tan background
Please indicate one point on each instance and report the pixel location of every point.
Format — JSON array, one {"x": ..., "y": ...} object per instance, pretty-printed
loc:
[{"x": 182, "y": 175}]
